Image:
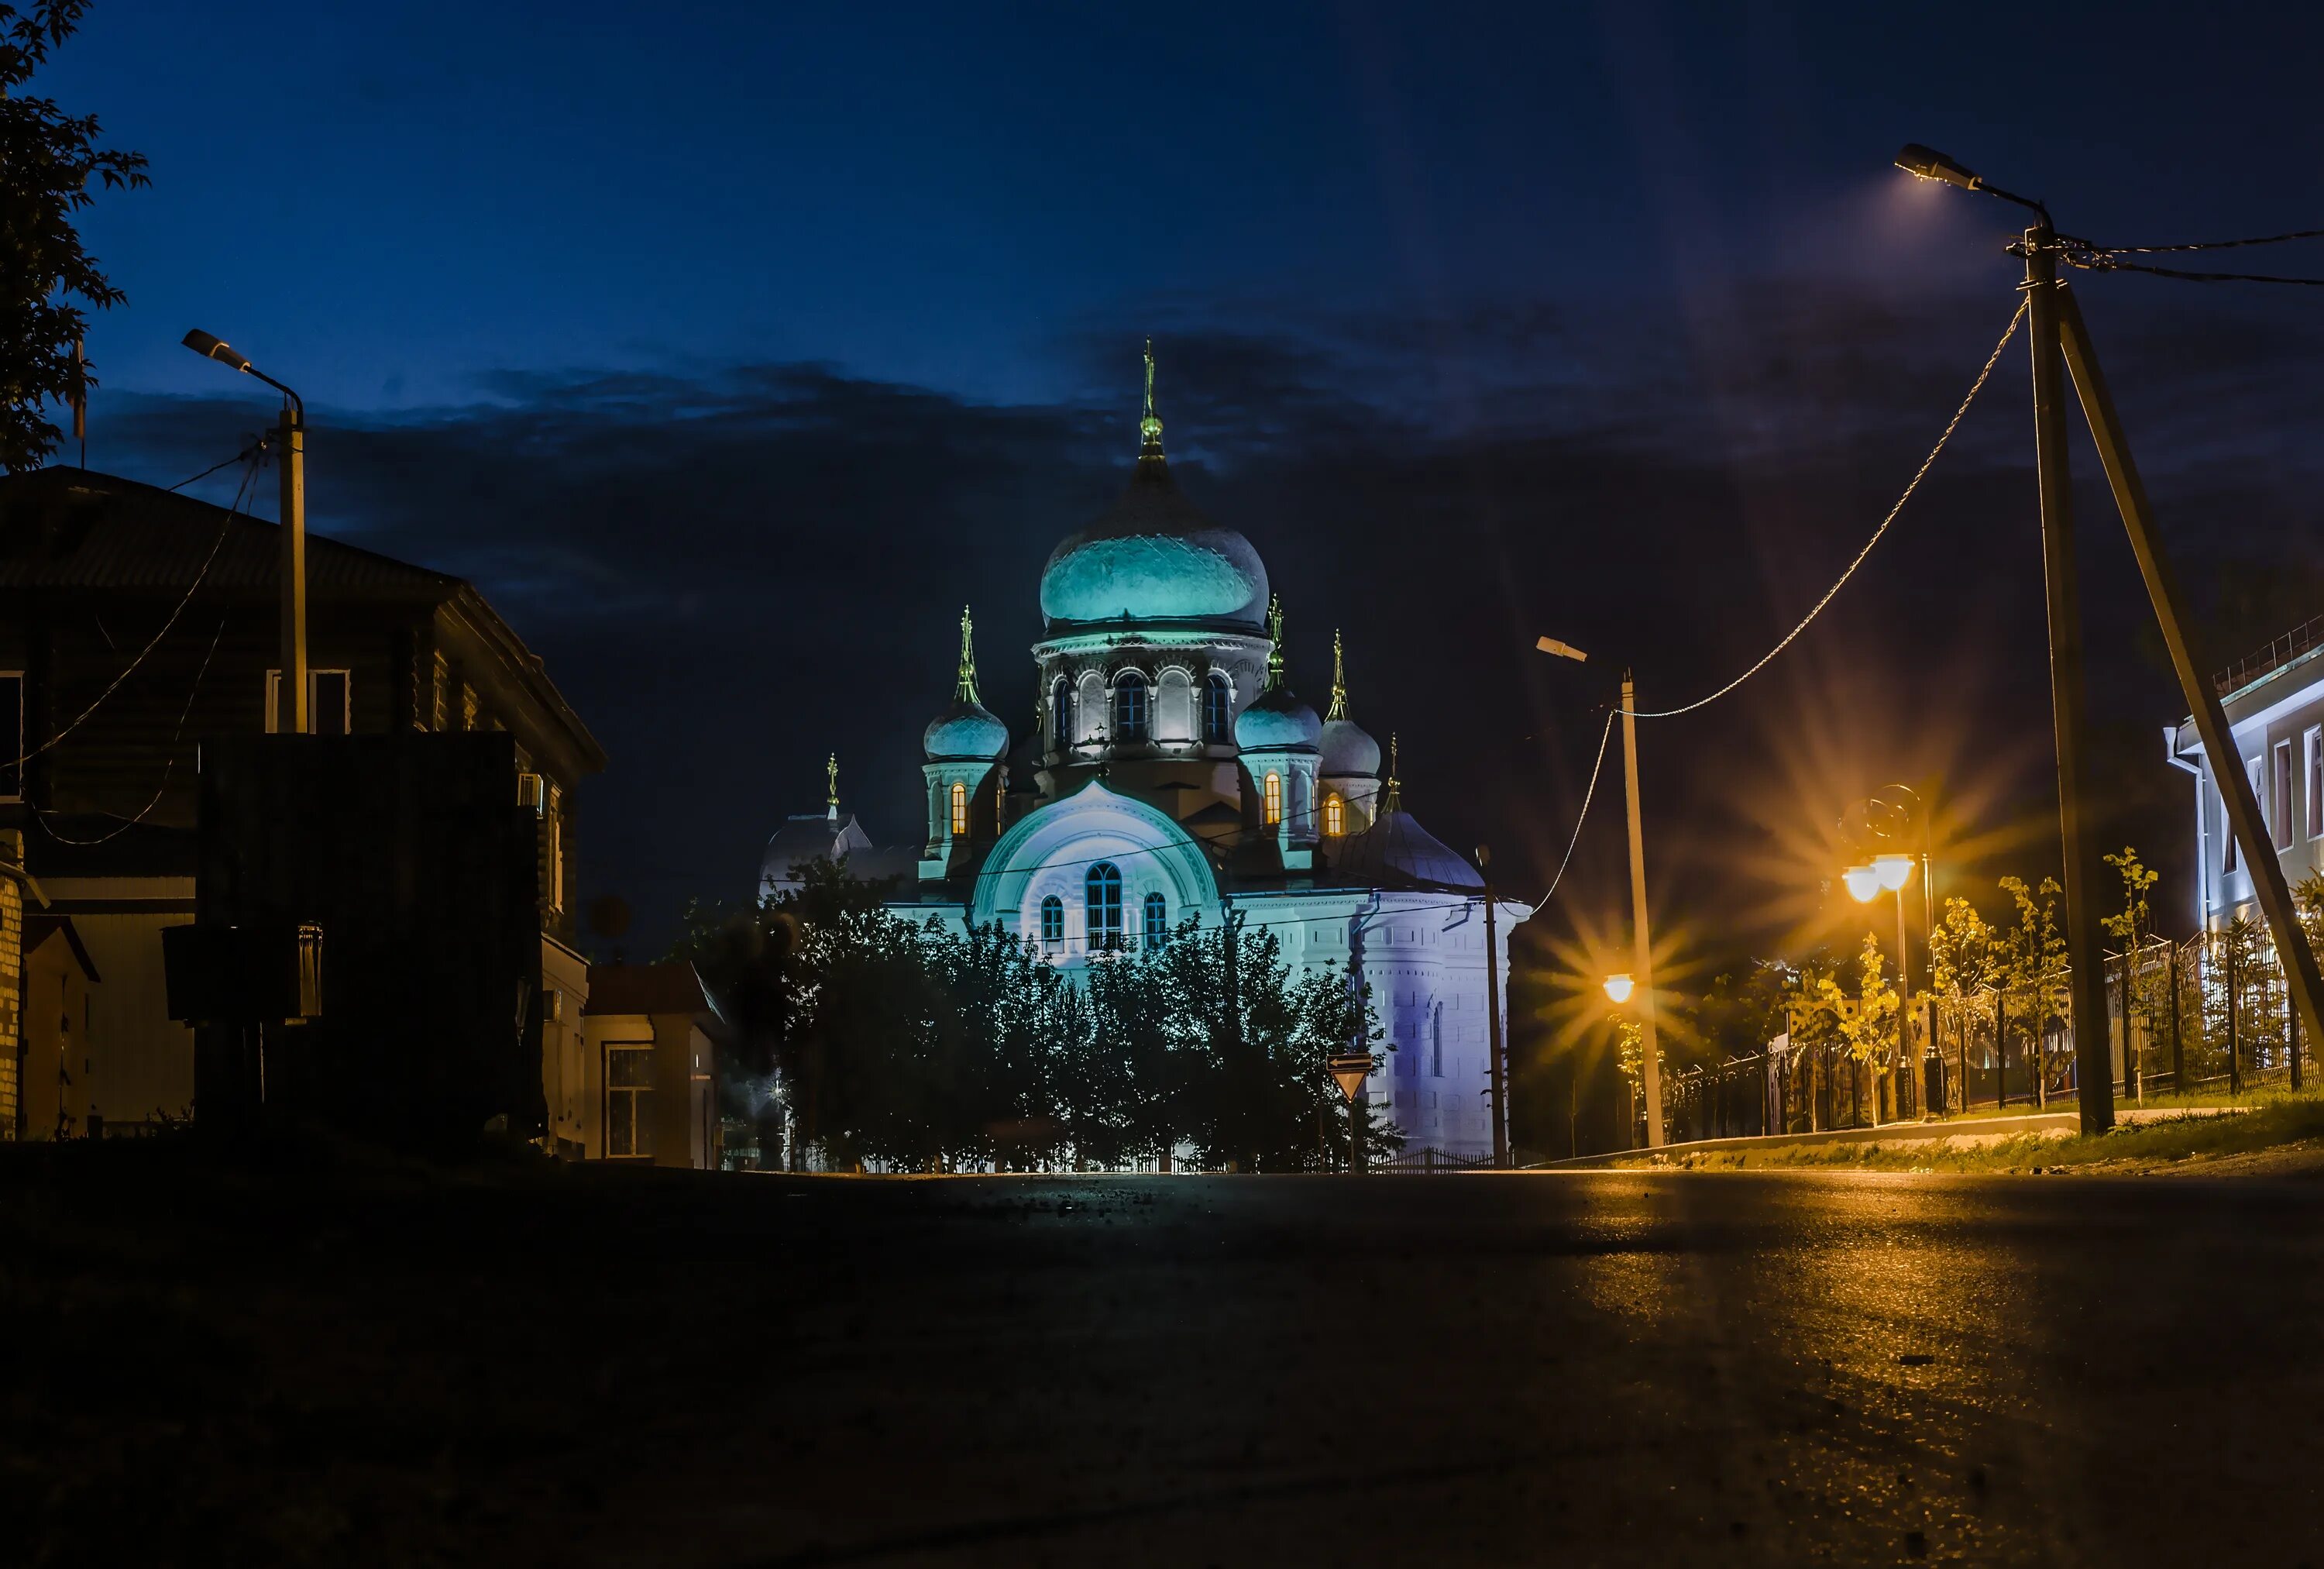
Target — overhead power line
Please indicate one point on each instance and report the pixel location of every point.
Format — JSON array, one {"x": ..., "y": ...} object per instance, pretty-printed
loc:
[{"x": 1841, "y": 582}]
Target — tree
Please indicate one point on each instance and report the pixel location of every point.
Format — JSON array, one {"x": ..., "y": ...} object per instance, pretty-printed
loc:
[
  {"x": 2142, "y": 994},
  {"x": 47, "y": 159},
  {"x": 1867, "y": 1022},
  {"x": 1964, "y": 959},
  {"x": 2034, "y": 962}
]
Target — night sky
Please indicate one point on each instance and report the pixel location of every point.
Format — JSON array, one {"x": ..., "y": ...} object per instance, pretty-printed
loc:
[{"x": 729, "y": 349}]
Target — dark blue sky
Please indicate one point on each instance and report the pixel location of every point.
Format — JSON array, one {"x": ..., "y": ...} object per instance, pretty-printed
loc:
[{"x": 704, "y": 336}]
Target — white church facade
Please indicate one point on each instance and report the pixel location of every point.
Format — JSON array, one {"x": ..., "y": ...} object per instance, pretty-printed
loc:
[{"x": 1173, "y": 772}]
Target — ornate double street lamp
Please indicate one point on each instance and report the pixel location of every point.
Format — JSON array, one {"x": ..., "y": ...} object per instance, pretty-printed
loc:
[{"x": 1890, "y": 821}]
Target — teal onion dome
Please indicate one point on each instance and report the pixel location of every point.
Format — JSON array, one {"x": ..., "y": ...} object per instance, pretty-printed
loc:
[
  {"x": 1151, "y": 556},
  {"x": 1278, "y": 721},
  {"x": 1349, "y": 751},
  {"x": 966, "y": 731}
]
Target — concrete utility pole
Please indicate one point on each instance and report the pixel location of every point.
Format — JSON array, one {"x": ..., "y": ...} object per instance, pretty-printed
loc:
[
  {"x": 1651, "y": 1067},
  {"x": 291, "y": 716}
]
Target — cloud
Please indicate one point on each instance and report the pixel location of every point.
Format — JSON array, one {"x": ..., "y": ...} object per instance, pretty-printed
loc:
[{"x": 734, "y": 570}]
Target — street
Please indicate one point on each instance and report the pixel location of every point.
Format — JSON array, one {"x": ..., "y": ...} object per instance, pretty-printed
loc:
[{"x": 609, "y": 1367}]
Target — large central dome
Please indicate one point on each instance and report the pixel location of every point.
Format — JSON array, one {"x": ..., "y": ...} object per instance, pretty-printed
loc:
[{"x": 1154, "y": 557}]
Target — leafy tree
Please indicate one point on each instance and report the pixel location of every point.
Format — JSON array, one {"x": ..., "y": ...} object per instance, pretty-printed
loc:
[
  {"x": 1630, "y": 1055},
  {"x": 2034, "y": 963},
  {"x": 48, "y": 159},
  {"x": 1866, "y": 1023},
  {"x": 2144, "y": 991},
  {"x": 1964, "y": 957}
]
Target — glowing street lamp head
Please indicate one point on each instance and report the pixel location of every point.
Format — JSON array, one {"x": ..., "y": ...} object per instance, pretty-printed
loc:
[
  {"x": 1928, "y": 163},
  {"x": 1619, "y": 987},
  {"x": 1863, "y": 883},
  {"x": 1894, "y": 871}
]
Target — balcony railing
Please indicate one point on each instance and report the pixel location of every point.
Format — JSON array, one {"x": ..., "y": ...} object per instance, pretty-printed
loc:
[{"x": 2308, "y": 635}]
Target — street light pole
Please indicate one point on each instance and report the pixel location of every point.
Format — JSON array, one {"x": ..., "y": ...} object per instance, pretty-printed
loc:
[
  {"x": 290, "y": 715},
  {"x": 1650, "y": 1071},
  {"x": 1498, "y": 1078}
]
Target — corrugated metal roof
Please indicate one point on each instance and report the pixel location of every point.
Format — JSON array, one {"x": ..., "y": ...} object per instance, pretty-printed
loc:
[{"x": 69, "y": 528}]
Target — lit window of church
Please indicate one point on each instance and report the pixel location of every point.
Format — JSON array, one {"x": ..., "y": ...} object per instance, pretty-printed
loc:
[
  {"x": 959, "y": 808},
  {"x": 1335, "y": 816},
  {"x": 1274, "y": 799}
]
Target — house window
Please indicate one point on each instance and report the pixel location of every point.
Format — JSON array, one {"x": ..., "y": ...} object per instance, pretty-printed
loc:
[
  {"x": 2281, "y": 806},
  {"x": 1158, "y": 918},
  {"x": 1274, "y": 799},
  {"x": 2314, "y": 744},
  {"x": 1130, "y": 707},
  {"x": 1053, "y": 919},
  {"x": 1061, "y": 713},
  {"x": 12, "y": 734},
  {"x": 330, "y": 702},
  {"x": 1436, "y": 1042},
  {"x": 1335, "y": 816},
  {"x": 629, "y": 1101},
  {"x": 1218, "y": 710},
  {"x": 959, "y": 808},
  {"x": 1103, "y": 887}
]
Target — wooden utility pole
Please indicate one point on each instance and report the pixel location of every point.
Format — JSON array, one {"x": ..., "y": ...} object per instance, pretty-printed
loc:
[{"x": 1497, "y": 1079}]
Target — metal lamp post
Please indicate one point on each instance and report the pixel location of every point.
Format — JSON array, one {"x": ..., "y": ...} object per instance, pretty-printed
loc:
[{"x": 290, "y": 697}]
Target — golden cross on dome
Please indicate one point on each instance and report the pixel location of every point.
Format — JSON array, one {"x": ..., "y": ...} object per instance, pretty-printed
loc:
[
  {"x": 964, "y": 688},
  {"x": 1149, "y": 428},
  {"x": 1275, "y": 642},
  {"x": 1339, "y": 681},
  {"x": 831, "y": 778},
  {"x": 1395, "y": 789}
]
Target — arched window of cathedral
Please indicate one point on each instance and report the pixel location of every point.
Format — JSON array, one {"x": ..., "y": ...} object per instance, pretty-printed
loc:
[
  {"x": 1218, "y": 710},
  {"x": 1130, "y": 708},
  {"x": 1436, "y": 1042},
  {"x": 1335, "y": 816},
  {"x": 1103, "y": 888},
  {"x": 959, "y": 808},
  {"x": 1061, "y": 713},
  {"x": 1274, "y": 799},
  {"x": 1158, "y": 920},
  {"x": 1053, "y": 919}
]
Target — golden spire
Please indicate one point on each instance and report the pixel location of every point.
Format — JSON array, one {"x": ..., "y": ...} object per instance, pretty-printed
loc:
[
  {"x": 1274, "y": 643},
  {"x": 964, "y": 689},
  {"x": 1339, "y": 681},
  {"x": 830, "y": 778},
  {"x": 1149, "y": 428},
  {"x": 1394, "y": 790}
]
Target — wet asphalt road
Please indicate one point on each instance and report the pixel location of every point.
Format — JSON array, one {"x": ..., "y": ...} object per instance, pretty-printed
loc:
[
  {"x": 1574, "y": 1368},
  {"x": 262, "y": 1363}
]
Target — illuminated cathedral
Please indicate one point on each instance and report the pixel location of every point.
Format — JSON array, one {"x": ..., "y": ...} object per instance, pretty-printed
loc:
[{"x": 1174, "y": 772}]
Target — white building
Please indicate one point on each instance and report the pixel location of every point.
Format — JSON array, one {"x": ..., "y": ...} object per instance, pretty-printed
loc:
[
  {"x": 2275, "y": 702},
  {"x": 1173, "y": 772}
]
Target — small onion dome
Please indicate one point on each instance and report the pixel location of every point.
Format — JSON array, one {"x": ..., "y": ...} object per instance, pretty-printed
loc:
[
  {"x": 966, "y": 731},
  {"x": 1348, "y": 751},
  {"x": 1278, "y": 721}
]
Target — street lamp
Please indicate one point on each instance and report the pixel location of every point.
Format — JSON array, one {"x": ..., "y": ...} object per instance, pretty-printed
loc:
[
  {"x": 1644, "y": 959},
  {"x": 290, "y": 696},
  {"x": 1618, "y": 988}
]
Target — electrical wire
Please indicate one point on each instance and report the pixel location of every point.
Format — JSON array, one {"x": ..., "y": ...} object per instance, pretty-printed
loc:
[
  {"x": 225, "y": 526},
  {"x": 1604, "y": 737},
  {"x": 168, "y": 768},
  {"x": 255, "y": 447},
  {"x": 2106, "y": 262},
  {"x": 2208, "y": 245},
  {"x": 1877, "y": 534}
]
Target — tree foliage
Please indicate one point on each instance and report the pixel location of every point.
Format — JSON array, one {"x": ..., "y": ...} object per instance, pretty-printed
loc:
[
  {"x": 48, "y": 281},
  {"x": 923, "y": 1047}
]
